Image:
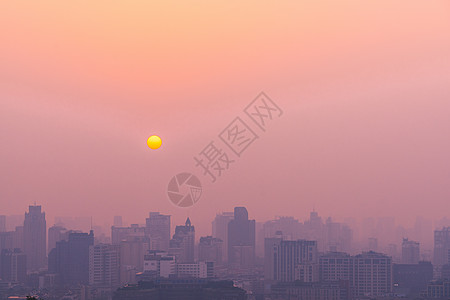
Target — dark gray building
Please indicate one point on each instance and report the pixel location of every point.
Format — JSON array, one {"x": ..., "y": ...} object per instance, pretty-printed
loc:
[
  {"x": 35, "y": 238},
  {"x": 241, "y": 239}
]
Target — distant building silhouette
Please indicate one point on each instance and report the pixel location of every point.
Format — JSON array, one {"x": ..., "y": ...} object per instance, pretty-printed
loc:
[
  {"x": 241, "y": 240},
  {"x": 220, "y": 231},
  {"x": 410, "y": 252},
  {"x": 35, "y": 238},
  {"x": 158, "y": 230},
  {"x": 183, "y": 242},
  {"x": 186, "y": 289},
  {"x": 412, "y": 279},
  {"x": 70, "y": 259},
  {"x": 56, "y": 233}
]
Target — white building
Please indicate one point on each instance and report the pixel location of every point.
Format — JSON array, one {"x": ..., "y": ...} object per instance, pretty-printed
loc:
[
  {"x": 160, "y": 264},
  {"x": 196, "y": 270}
]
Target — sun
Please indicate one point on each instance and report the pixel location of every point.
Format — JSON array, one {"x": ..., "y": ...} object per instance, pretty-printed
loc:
[{"x": 154, "y": 142}]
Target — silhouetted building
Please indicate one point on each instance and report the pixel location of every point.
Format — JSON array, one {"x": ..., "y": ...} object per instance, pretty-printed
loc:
[
  {"x": 70, "y": 259},
  {"x": 410, "y": 252},
  {"x": 158, "y": 230},
  {"x": 104, "y": 265},
  {"x": 220, "y": 230},
  {"x": 210, "y": 249},
  {"x": 183, "y": 242},
  {"x": 412, "y": 279},
  {"x": 373, "y": 244},
  {"x": 241, "y": 239},
  {"x": 186, "y": 289},
  {"x": 288, "y": 261},
  {"x": 35, "y": 238},
  {"x": 441, "y": 246},
  {"x": 311, "y": 291},
  {"x": 56, "y": 233},
  {"x": 13, "y": 266}
]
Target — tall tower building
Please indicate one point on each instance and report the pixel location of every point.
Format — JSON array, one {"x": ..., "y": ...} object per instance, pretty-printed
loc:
[
  {"x": 410, "y": 252},
  {"x": 241, "y": 239},
  {"x": 158, "y": 230},
  {"x": 220, "y": 230},
  {"x": 183, "y": 242},
  {"x": 35, "y": 238}
]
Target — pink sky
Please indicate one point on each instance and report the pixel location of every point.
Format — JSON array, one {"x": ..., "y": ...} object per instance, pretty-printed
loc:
[{"x": 365, "y": 89}]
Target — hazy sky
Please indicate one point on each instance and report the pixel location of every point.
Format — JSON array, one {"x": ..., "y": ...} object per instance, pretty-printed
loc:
[{"x": 364, "y": 86}]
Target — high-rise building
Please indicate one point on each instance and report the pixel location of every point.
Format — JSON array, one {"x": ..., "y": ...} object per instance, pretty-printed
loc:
[
  {"x": 372, "y": 274},
  {"x": 210, "y": 249},
  {"x": 183, "y": 242},
  {"x": 410, "y": 252},
  {"x": 35, "y": 238},
  {"x": 158, "y": 230},
  {"x": 104, "y": 265},
  {"x": 441, "y": 246},
  {"x": 119, "y": 234},
  {"x": 13, "y": 266},
  {"x": 220, "y": 230},
  {"x": 287, "y": 261},
  {"x": 70, "y": 259},
  {"x": 241, "y": 239},
  {"x": 56, "y": 233}
]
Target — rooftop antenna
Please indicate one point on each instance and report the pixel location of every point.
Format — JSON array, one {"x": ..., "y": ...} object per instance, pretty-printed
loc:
[{"x": 91, "y": 222}]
